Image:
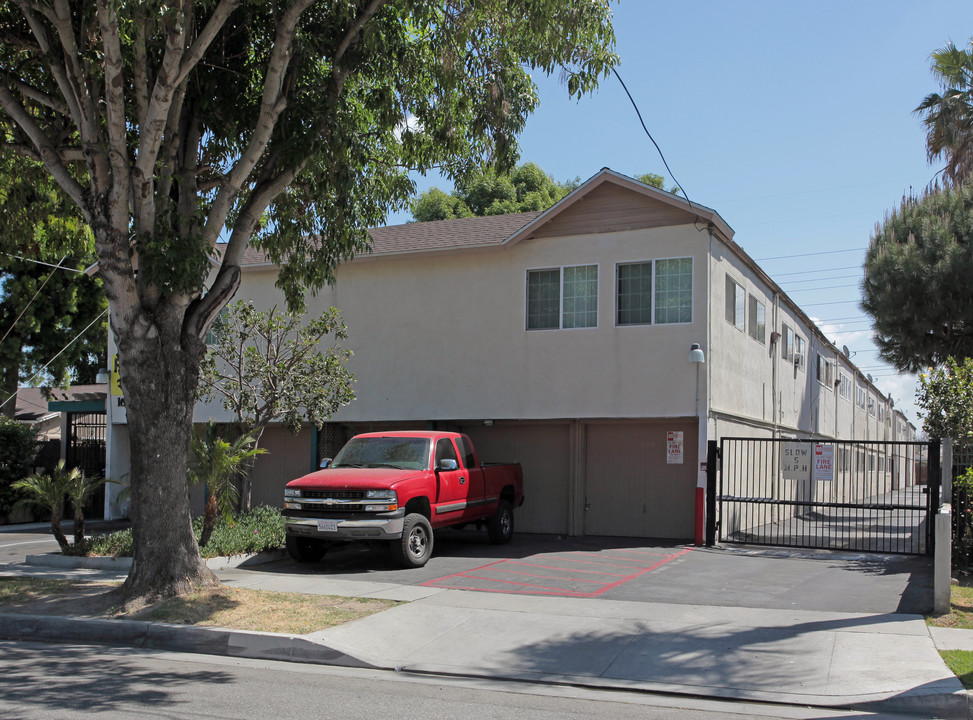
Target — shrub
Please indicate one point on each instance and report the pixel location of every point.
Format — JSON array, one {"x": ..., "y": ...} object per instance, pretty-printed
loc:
[
  {"x": 260, "y": 529},
  {"x": 18, "y": 447}
]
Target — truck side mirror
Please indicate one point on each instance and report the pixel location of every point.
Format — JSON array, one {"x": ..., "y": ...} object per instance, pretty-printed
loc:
[
  {"x": 447, "y": 464},
  {"x": 325, "y": 462}
]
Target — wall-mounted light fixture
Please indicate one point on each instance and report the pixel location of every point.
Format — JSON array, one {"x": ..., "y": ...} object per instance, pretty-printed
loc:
[
  {"x": 102, "y": 377},
  {"x": 696, "y": 354}
]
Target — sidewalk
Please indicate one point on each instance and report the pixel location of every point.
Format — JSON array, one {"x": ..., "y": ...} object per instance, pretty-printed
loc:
[{"x": 886, "y": 663}]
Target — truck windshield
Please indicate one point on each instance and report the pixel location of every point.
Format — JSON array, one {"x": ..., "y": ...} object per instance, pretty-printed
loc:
[{"x": 392, "y": 452}]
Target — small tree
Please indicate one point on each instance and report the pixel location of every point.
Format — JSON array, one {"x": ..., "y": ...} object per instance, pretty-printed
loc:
[
  {"x": 945, "y": 400},
  {"x": 18, "y": 448},
  {"x": 269, "y": 366},
  {"x": 218, "y": 464},
  {"x": 47, "y": 492},
  {"x": 80, "y": 488}
]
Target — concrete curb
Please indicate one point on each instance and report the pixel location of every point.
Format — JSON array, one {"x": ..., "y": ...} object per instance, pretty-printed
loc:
[
  {"x": 124, "y": 564},
  {"x": 181, "y": 638}
]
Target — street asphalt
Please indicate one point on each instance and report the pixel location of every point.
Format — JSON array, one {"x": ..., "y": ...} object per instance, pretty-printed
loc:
[{"x": 744, "y": 623}]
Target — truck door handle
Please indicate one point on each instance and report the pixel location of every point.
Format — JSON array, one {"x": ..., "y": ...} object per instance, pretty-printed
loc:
[{"x": 462, "y": 481}]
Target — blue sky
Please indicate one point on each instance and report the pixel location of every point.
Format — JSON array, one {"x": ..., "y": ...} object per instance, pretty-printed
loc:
[{"x": 791, "y": 119}]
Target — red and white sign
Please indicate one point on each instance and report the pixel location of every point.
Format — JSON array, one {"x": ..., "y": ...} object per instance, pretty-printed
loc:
[
  {"x": 824, "y": 462},
  {"x": 674, "y": 447}
]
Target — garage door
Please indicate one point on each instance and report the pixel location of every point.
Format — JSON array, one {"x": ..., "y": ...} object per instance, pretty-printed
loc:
[
  {"x": 631, "y": 489},
  {"x": 543, "y": 452}
]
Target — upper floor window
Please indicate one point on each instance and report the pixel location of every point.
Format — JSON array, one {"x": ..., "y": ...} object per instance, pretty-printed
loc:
[
  {"x": 825, "y": 372},
  {"x": 786, "y": 343},
  {"x": 736, "y": 301},
  {"x": 758, "y": 320},
  {"x": 860, "y": 395},
  {"x": 844, "y": 386},
  {"x": 800, "y": 353},
  {"x": 562, "y": 297},
  {"x": 871, "y": 405},
  {"x": 656, "y": 292}
]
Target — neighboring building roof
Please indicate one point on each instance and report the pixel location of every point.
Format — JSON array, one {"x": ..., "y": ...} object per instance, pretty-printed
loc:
[{"x": 32, "y": 406}]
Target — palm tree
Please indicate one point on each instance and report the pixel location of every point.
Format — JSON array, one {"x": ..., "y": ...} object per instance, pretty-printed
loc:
[
  {"x": 47, "y": 493},
  {"x": 79, "y": 488},
  {"x": 949, "y": 116},
  {"x": 218, "y": 464}
]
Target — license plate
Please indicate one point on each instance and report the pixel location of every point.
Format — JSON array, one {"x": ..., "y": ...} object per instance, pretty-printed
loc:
[{"x": 327, "y": 526}]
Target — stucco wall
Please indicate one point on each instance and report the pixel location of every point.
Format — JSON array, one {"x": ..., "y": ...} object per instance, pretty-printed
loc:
[{"x": 443, "y": 336}]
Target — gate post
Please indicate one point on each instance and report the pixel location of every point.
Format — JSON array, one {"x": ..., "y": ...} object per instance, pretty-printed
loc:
[
  {"x": 712, "y": 455},
  {"x": 933, "y": 480}
]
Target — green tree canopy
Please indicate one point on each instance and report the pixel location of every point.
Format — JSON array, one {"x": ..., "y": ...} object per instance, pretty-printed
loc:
[
  {"x": 945, "y": 401},
  {"x": 292, "y": 124},
  {"x": 43, "y": 308},
  {"x": 948, "y": 115},
  {"x": 917, "y": 280},
  {"x": 488, "y": 192},
  {"x": 270, "y": 367}
]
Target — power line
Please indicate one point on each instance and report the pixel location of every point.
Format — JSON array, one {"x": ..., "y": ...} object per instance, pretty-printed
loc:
[
  {"x": 836, "y": 277},
  {"x": 46, "y": 264},
  {"x": 30, "y": 302},
  {"x": 658, "y": 149},
  {"x": 824, "y": 252},
  {"x": 808, "y": 272},
  {"x": 60, "y": 352},
  {"x": 826, "y": 287}
]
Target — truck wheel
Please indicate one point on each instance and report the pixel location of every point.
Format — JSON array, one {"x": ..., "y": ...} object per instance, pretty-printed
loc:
[
  {"x": 500, "y": 527},
  {"x": 305, "y": 550},
  {"x": 414, "y": 548}
]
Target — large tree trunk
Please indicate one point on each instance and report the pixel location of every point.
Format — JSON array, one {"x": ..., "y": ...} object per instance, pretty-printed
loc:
[
  {"x": 159, "y": 379},
  {"x": 9, "y": 377}
]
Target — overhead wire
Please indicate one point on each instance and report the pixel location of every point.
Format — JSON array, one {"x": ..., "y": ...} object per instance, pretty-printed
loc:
[
  {"x": 59, "y": 353},
  {"x": 30, "y": 302}
]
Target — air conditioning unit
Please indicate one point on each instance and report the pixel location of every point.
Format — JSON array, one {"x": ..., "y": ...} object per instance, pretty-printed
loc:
[{"x": 798, "y": 360}]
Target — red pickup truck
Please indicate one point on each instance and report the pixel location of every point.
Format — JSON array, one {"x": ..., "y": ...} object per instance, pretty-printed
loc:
[{"x": 398, "y": 487}]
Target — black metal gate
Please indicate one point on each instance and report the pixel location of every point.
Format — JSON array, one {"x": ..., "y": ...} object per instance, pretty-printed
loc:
[
  {"x": 826, "y": 494},
  {"x": 86, "y": 450}
]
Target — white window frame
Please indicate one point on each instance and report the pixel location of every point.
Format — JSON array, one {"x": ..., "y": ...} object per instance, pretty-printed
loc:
[
  {"x": 825, "y": 372},
  {"x": 654, "y": 263},
  {"x": 757, "y": 320},
  {"x": 735, "y": 298},
  {"x": 560, "y": 297},
  {"x": 844, "y": 386}
]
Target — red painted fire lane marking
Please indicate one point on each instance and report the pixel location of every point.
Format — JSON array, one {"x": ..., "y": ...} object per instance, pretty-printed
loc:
[
  {"x": 592, "y": 562},
  {"x": 511, "y": 582},
  {"x": 643, "y": 572},
  {"x": 545, "y": 577},
  {"x": 537, "y": 589},
  {"x": 640, "y": 552},
  {"x": 555, "y": 567}
]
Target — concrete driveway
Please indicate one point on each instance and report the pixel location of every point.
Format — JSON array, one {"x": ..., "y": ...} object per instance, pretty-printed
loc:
[{"x": 644, "y": 571}]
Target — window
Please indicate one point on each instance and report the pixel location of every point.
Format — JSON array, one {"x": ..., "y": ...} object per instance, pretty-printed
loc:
[
  {"x": 580, "y": 296},
  {"x": 736, "y": 300},
  {"x": 758, "y": 320},
  {"x": 881, "y": 413},
  {"x": 871, "y": 405},
  {"x": 655, "y": 292},
  {"x": 860, "y": 397},
  {"x": 844, "y": 386},
  {"x": 577, "y": 285},
  {"x": 445, "y": 451},
  {"x": 673, "y": 291},
  {"x": 786, "y": 343},
  {"x": 800, "y": 355},
  {"x": 825, "y": 372}
]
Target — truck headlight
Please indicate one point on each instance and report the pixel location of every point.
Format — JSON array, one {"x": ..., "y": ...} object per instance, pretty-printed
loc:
[
  {"x": 292, "y": 505},
  {"x": 291, "y": 492},
  {"x": 380, "y": 495}
]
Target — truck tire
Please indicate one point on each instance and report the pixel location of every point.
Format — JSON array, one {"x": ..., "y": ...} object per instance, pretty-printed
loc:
[
  {"x": 414, "y": 548},
  {"x": 500, "y": 527},
  {"x": 305, "y": 550}
]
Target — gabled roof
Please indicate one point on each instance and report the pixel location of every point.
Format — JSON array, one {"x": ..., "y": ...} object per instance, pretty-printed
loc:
[
  {"x": 627, "y": 203},
  {"x": 31, "y": 406},
  {"x": 610, "y": 202}
]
